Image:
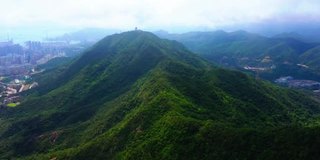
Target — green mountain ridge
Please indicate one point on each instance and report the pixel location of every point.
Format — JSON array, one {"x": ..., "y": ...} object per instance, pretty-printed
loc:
[{"x": 136, "y": 96}]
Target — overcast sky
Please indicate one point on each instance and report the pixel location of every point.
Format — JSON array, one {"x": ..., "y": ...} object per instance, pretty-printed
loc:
[{"x": 156, "y": 14}]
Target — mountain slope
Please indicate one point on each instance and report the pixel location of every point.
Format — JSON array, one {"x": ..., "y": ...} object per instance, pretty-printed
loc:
[
  {"x": 312, "y": 57},
  {"x": 136, "y": 96}
]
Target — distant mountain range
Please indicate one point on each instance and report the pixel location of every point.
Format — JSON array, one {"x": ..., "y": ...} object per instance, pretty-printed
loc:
[
  {"x": 308, "y": 29},
  {"x": 136, "y": 96},
  {"x": 287, "y": 53},
  {"x": 292, "y": 35},
  {"x": 308, "y": 32}
]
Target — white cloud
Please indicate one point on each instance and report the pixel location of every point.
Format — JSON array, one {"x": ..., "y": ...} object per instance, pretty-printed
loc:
[{"x": 148, "y": 13}]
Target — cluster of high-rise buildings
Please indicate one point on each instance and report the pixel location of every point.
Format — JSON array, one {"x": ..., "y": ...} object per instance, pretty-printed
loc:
[{"x": 19, "y": 59}]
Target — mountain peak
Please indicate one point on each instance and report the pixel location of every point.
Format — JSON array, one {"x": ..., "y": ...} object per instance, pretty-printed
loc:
[
  {"x": 134, "y": 34},
  {"x": 132, "y": 48},
  {"x": 127, "y": 39}
]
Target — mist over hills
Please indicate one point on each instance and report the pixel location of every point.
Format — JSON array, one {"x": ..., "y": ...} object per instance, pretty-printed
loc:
[
  {"x": 308, "y": 30},
  {"x": 136, "y": 96}
]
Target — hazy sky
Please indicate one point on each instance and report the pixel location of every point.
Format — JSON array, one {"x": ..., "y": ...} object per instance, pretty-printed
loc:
[{"x": 158, "y": 14}]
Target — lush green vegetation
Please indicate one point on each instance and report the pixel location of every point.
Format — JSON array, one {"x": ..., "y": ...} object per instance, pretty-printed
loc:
[
  {"x": 54, "y": 63},
  {"x": 136, "y": 96},
  {"x": 12, "y": 104}
]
